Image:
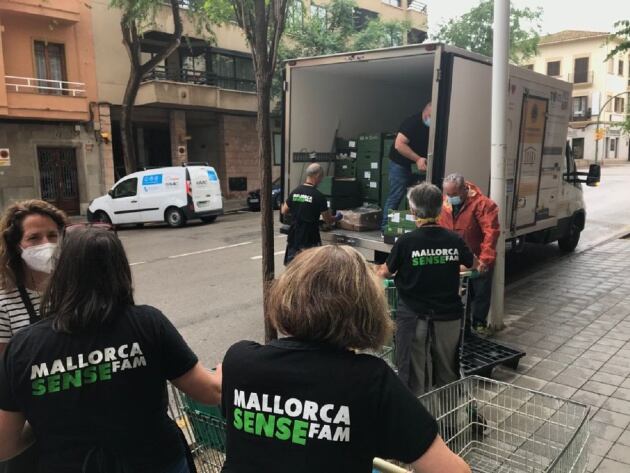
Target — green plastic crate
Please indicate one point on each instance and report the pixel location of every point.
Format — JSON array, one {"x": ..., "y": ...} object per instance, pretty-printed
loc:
[{"x": 207, "y": 423}]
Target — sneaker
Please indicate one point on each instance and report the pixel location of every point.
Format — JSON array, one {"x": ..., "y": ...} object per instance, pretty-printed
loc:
[{"x": 481, "y": 329}]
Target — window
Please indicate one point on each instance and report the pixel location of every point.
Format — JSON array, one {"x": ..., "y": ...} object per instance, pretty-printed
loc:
[
  {"x": 579, "y": 107},
  {"x": 416, "y": 36},
  {"x": 611, "y": 66},
  {"x": 620, "y": 68},
  {"x": 553, "y": 68},
  {"x": 577, "y": 145},
  {"x": 580, "y": 70},
  {"x": 393, "y": 3},
  {"x": 50, "y": 62},
  {"x": 361, "y": 17},
  {"x": 318, "y": 11},
  {"x": 295, "y": 14},
  {"x": 232, "y": 72},
  {"x": 194, "y": 69},
  {"x": 619, "y": 105},
  {"x": 613, "y": 144},
  {"x": 128, "y": 188}
]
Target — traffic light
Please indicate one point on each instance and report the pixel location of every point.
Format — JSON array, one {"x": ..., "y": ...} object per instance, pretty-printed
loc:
[{"x": 599, "y": 134}]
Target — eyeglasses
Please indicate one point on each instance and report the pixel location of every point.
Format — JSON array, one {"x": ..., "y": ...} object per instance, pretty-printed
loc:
[{"x": 103, "y": 226}]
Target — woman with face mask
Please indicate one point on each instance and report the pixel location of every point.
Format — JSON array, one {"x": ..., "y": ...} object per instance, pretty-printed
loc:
[{"x": 30, "y": 230}]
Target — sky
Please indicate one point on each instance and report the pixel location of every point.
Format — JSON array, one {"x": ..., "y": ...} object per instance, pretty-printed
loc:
[{"x": 590, "y": 15}]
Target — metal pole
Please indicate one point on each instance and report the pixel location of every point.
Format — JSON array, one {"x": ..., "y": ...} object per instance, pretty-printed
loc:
[{"x": 500, "y": 83}]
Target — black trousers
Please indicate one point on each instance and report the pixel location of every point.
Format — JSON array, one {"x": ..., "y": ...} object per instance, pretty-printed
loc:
[{"x": 480, "y": 297}]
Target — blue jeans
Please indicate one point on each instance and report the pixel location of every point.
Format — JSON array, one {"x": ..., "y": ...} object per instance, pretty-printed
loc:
[
  {"x": 400, "y": 178},
  {"x": 180, "y": 466}
]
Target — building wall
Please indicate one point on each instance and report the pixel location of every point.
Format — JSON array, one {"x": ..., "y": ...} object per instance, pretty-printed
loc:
[
  {"x": 603, "y": 85},
  {"x": 21, "y": 180}
]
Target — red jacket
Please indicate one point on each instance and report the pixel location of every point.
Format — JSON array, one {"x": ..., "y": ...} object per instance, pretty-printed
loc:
[{"x": 477, "y": 223}]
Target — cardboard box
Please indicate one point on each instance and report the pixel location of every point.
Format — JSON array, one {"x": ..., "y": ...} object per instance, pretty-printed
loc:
[{"x": 361, "y": 219}]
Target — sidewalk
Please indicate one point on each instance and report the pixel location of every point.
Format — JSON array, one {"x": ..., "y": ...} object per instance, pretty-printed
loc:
[{"x": 573, "y": 321}]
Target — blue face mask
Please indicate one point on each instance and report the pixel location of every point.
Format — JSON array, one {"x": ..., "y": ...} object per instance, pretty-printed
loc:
[
  {"x": 427, "y": 121},
  {"x": 454, "y": 200}
]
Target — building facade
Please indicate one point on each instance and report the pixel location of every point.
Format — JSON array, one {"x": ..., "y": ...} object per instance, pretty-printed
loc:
[
  {"x": 600, "y": 90},
  {"x": 199, "y": 105},
  {"x": 49, "y": 148}
]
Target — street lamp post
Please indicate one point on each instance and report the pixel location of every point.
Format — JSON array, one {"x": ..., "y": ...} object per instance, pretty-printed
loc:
[
  {"x": 601, "y": 109},
  {"x": 500, "y": 83}
]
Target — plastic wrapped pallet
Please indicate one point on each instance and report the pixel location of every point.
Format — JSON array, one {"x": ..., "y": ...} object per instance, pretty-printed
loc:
[{"x": 361, "y": 219}]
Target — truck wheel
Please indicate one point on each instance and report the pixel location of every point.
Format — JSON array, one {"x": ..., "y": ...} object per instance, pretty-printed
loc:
[
  {"x": 102, "y": 217},
  {"x": 209, "y": 219},
  {"x": 570, "y": 241},
  {"x": 174, "y": 217}
]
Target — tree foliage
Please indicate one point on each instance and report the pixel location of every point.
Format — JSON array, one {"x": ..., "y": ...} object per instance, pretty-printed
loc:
[
  {"x": 622, "y": 34},
  {"x": 474, "y": 30}
]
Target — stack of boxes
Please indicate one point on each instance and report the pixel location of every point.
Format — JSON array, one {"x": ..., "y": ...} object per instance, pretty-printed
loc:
[
  {"x": 346, "y": 160},
  {"x": 341, "y": 194},
  {"x": 369, "y": 159},
  {"x": 399, "y": 222}
]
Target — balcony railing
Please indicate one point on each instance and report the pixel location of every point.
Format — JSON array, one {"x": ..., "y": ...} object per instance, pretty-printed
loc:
[
  {"x": 581, "y": 116},
  {"x": 415, "y": 5},
  {"x": 585, "y": 77},
  {"x": 45, "y": 86},
  {"x": 191, "y": 76}
]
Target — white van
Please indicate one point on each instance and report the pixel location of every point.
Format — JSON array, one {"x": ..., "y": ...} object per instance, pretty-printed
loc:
[{"x": 171, "y": 194}]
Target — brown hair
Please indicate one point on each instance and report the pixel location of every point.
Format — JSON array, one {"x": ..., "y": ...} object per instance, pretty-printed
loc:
[
  {"x": 329, "y": 294},
  {"x": 11, "y": 269}
]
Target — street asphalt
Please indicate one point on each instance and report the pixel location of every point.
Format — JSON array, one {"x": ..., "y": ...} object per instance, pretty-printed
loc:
[{"x": 207, "y": 277}]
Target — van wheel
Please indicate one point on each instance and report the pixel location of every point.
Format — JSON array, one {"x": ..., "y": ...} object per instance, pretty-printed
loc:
[
  {"x": 570, "y": 241},
  {"x": 174, "y": 217},
  {"x": 102, "y": 217},
  {"x": 209, "y": 219}
]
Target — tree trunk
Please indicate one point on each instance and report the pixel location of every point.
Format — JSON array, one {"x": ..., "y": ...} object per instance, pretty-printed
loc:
[
  {"x": 126, "y": 122},
  {"x": 266, "y": 206}
]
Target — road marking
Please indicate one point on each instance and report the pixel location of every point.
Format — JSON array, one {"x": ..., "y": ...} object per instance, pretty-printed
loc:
[
  {"x": 210, "y": 250},
  {"x": 275, "y": 254},
  {"x": 136, "y": 264}
]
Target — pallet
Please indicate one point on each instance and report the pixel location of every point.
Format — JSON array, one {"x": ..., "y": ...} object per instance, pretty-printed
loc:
[{"x": 481, "y": 355}]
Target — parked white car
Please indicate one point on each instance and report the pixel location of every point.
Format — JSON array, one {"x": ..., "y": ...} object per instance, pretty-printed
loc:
[{"x": 171, "y": 194}]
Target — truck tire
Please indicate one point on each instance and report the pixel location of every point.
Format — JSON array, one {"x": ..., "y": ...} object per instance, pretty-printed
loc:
[
  {"x": 174, "y": 217},
  {"x": 570, "y": 241}
]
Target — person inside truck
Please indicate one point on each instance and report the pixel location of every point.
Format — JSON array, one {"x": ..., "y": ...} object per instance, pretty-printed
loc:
[
  {"x": 426, "y": 264},
  {"x": 306, "y": 204},
  {"x": 410, "y": 146},
  {"x": 309, "y": 402},
  {"x": 475, "y": 218}
]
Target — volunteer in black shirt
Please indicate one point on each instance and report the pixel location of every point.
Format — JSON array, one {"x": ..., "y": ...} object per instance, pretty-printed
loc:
[
  {"x": 308, "y": 403},
  {"x": 410, "y": 146},
  {"x": 306, "y": 204},
  {"x": 426, "y": 264},
  {"x": 90, "y": 378}
]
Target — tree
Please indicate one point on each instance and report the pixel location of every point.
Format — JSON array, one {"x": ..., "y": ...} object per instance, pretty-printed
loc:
[
  {"x": 262, "y": 21},
  {"x": 622, "y": 35},
  {"x": 135, "y": 15},
  {"x": 473, "y": 31}
]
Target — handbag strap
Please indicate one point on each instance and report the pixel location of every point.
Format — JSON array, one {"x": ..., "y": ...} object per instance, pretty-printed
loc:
[{"x": 26, "y": 300}]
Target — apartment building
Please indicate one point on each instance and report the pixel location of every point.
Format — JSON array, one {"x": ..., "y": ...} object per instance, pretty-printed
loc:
[
  {"x": 600, "y": 87},
  {"x": 199, "y": 105},
  {"x": 48, "y": 145}
]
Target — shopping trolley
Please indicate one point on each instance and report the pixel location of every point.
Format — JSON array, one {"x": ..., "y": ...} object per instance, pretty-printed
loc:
[{"x": 499, "y": 428}]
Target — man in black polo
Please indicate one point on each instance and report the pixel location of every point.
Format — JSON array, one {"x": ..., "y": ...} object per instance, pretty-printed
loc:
[
  {"x": 306, "y": 204},
  {"x": 412, "y": 142}
]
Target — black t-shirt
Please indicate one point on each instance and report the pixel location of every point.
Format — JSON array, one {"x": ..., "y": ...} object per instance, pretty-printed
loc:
[
  {"x": 307, "y": 407},
  {"x": 426, "y": 263},
  {"x": 105, "y": 390},
  {"x": 418, "y": 135},
  {"x": 306, "y": 204}
]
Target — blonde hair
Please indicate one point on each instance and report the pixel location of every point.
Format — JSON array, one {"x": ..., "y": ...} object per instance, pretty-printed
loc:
[{"x": 329, "y": 294}]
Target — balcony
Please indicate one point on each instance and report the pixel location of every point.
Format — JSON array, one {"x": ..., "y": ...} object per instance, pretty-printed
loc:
[
  {"x": 197, "y": 89},
  {"x": 581, "y": 115},
  {"x": 29, "y": 97},
  {"x": 191, "y": 76},
  {"x": 61, "y": 10},
  {"x": 415, "y": 5},
  {"x": 582, "y": 78}
]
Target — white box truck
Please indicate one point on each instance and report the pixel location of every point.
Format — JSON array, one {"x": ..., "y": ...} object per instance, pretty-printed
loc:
[{"x": 352, "y": 94}]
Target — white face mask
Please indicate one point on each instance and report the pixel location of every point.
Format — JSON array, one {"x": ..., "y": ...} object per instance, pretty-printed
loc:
[{"x": 40, "y": 257}]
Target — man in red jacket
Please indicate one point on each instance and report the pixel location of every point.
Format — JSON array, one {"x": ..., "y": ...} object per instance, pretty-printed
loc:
[{"x": 476, "y": 219}]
